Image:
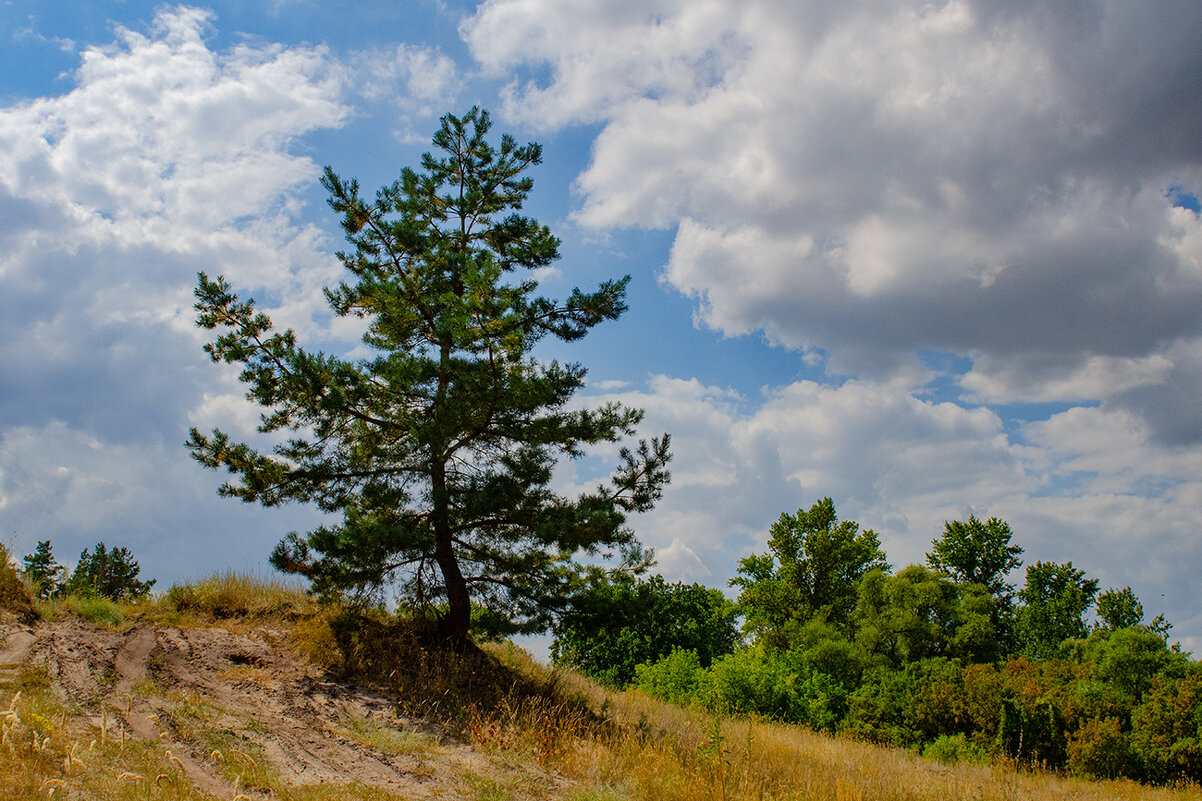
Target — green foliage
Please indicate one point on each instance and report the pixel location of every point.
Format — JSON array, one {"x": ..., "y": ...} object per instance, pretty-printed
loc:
[
  {"x": 878, "y": 710},
  {"x": 438, "y": 449},
  {"x": 111, "y": 574},
  {"x": 1167, "y": 729},
  {"x": 1119, "y": 609},
  {"x": 43, "y": 573},
  {"x": 1054, "y": 602},
  {"x": 812, "y": 570},
  {"x": 923, "y": 660},
  {"x": 773, "y": 685},
  {"x": 951, "y": 748},
  {"x": 1127, "y": 660},
  {"x": 906, "y": 617},
  {"x": 977, "y": 553},
  {"x": 981, "y": 555},
  {"x": 95, "y": 609},
  {"x": 621, "y": 623},
  {"x": 1033, "y": 734},
  {"x": 823, "y": 649},
  {"x": 674, "y": 677}
]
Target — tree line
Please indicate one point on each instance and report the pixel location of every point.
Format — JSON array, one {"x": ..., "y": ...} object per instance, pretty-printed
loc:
[
  {"x": 947, "y": 657},
  {"x": 101, "y": 572}
]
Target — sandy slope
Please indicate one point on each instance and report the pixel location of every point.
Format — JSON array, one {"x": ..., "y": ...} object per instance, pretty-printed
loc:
[{"x": 183, "y": 686}]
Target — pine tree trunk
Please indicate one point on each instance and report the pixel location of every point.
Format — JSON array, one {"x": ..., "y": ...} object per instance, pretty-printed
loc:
[
  {"x": 459, "y": 611},
  {"x": 459, "y": 604}
]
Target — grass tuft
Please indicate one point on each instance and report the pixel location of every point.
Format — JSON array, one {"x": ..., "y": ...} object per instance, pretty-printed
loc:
[
  {"x": 94, "y": 609},
  {"x": 231, "y": 595}
]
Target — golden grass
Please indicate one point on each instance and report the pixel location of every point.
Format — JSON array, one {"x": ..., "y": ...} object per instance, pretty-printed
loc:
[
  {"x": 647, "y": 750},
  {"x": 240, "y": 596},
  {"x": 596, "y": 744}
]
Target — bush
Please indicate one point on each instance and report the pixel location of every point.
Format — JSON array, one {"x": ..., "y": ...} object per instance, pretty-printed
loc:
[
  {"x": 655, "y": 618},
  {"x": 752, "y": 682},
  {"x": 1100, "y": 750},
  {"x": 674, "y": 678},
  {"x": 878, "y": 709},
  {"x": 949, "y": 748},
  {"x": 776, "y": 685},
  {"x": 95, "y": 609},
  {"x": 14, "y": 595},
  {"x": 1167, "y": 729}
]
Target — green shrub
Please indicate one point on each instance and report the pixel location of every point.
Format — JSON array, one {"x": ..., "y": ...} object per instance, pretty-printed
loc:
[
  {"x": 1167, "y": 729},
  {"x": 752, "y": 682},
  {"x": 674, "y": 678},
  {"x": 95, "y": 609},
  {"x": 781, "y": 686},
  {"x": 950, "y": 748},
  {"x": 14, "y": 595}
]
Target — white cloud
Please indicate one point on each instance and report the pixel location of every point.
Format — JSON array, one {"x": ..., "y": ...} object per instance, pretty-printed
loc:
[
  {"x": 678, "y": 562},
  {"x": 422, "y": 79},
  {"x": 1088, "y": 485},
  {"x": 166, "y": 157},
  {"x": 974, "y": 177}
]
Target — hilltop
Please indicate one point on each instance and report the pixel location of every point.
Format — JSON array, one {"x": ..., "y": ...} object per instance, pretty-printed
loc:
[{"x": 237, "y": 689}]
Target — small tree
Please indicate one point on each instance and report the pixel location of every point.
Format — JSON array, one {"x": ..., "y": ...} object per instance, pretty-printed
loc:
[
  {"x": 43, "y": 573},
  {"x": 813, "y": 569},
  {"x": 438, "y": 450},
  {"x": 108, "y": 573}
]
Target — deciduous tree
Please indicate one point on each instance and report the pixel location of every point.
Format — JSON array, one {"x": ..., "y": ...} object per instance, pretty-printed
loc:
[
  {"x": 813, "y": 569},
  {"x": 621, "y": 624},
  {"x": 1054, "y": 602}
]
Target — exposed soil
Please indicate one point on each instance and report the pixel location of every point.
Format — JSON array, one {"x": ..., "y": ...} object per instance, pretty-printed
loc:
[{"x": 223, "y": 703}]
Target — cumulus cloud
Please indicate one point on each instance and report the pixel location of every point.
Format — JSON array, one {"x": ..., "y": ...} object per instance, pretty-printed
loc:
[
  {"x": 1087, "y": 485},
  {"x": 418, "y": 81},
  {"x": 166, "y": 158},
  {"x": 988, "y": 179}
]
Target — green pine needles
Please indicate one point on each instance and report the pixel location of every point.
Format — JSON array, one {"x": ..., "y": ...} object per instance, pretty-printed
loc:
[{"x": 439, "y": 450}]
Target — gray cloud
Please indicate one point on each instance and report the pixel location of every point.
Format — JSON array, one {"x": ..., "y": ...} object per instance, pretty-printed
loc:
[{"x": 984, "y": 178}]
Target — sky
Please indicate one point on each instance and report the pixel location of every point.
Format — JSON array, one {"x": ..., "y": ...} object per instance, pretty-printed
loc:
[{"x": 929, "y": 259}]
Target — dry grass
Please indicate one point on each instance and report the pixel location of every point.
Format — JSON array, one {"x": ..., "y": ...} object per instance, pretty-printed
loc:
[
  {"x": 646, "y": 750},
  {"x": 239, "y": 596},
  {"x": 554, "y": 734}
]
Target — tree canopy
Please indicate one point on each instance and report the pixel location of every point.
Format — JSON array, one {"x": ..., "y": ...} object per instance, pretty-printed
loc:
[
  {"x": 975, "y": 552},
  {"x": 438, "y": 450},
  {"x": 620, "y": 624},
  {"x": 813, "y": 569}
]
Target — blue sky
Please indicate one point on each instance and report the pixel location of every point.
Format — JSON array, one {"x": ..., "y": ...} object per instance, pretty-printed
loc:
[{"x": 929, "y": 259}]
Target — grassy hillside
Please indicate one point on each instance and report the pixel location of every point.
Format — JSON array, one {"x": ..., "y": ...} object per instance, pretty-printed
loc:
[{"x": 217, "y": 689}]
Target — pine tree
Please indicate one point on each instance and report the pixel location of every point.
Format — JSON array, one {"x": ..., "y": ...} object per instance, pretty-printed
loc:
[
  {"x": 43, "y": 573},
  {"x": 109, "y": 573},
  {"x": 439, "y": 450}
]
